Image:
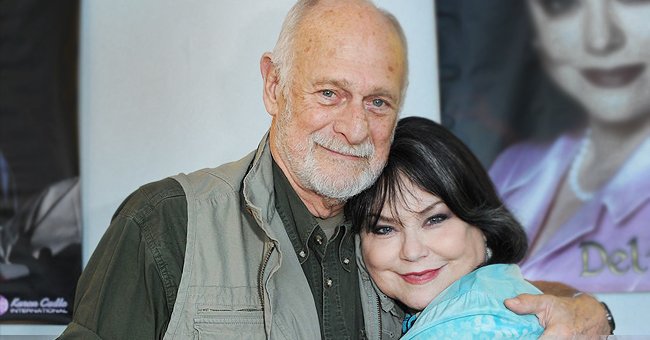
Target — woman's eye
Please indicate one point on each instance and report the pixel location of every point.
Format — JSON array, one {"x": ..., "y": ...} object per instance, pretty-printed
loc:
[
  {"x": 438, "y": 218},
  {"x": 555, "y": 8},
  {"x": 382, "y": 230},
  {"x": 328, "y": 93}
]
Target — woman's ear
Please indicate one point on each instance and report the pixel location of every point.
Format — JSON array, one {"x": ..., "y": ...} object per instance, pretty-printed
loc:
[{"x": 271, "y": 82}]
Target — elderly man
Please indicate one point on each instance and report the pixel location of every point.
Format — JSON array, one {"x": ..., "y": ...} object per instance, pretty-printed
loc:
[{"x": 259, "y": 248}]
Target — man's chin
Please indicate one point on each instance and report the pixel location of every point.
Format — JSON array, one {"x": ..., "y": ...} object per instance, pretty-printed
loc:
[{"x": 339, "y": 189}]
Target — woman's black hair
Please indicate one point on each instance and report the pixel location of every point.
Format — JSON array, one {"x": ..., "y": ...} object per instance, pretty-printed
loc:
[{"x": 432, "y": 158}]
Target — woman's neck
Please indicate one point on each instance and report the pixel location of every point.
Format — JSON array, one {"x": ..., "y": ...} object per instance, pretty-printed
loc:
[{"x": 609, "y": 148}]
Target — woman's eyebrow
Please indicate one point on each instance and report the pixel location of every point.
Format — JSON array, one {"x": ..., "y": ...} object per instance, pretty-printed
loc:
[
  {"x": 391, "y": 219},
  {"x": 430, "y": 207},
  {"x": 384, "y": 218}
]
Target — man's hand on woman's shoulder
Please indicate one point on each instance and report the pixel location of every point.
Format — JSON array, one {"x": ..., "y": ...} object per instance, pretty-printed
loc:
[{"x": 563, "y": 311}]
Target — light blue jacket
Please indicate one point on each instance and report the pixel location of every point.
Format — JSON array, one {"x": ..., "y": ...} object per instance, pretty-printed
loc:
[{"x": 472, "y": 308}]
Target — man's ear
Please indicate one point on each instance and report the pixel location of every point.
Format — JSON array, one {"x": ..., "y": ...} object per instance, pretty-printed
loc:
[{"x": 271, "y": 81}]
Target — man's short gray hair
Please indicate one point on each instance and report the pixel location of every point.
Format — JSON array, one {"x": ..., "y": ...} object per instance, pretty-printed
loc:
[{"x": 284, "y": 50}]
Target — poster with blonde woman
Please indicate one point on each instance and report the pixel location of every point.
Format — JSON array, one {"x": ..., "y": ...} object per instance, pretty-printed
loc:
[{"x": 572, "y": 157}]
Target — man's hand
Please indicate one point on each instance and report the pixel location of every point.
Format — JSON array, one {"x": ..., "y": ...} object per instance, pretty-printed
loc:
[{"x": 560, "y": 313}]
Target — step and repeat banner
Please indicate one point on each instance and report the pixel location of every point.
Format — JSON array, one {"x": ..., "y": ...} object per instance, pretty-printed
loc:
[
  {"x": 554, "y": 98},
  {"x": 40, "y": 222}
]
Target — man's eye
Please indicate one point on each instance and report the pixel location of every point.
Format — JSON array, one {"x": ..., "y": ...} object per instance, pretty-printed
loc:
[
  {"x": 382, "y": 230},
  {"x": 328, "y": 93},
  {"x": 555, "y": 8},
  {"x": 378, "y": 102}
]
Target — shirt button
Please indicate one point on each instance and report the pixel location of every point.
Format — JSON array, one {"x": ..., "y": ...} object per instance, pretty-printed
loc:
[
  {"x": 329, "y": 283},
  {"x": 346, "y": 260},
  {"x": 302, "y": 254},
  {"x": 319, "y": 239}
]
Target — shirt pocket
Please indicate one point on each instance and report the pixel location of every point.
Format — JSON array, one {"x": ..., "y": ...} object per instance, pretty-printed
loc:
[{"x": 229, "y": 324}]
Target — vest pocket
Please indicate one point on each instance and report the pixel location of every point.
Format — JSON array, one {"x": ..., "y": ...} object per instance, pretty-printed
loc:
[{"x": 241, "y": 324}]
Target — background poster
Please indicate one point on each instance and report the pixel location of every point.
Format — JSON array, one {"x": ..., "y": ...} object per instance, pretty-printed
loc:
[
  {"x": 554, "y": 98},
  {"x": 40, "y": 234}
]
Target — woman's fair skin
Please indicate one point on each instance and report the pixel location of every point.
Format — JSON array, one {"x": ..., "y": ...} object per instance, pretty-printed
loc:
[
  {"x": 419, "y": 247},
  {"x": 598, "y": 52}
]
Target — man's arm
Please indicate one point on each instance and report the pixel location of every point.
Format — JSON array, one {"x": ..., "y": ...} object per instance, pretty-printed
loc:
[
  {"x": 562, "y": 311},
  {"x": 128, "y": 288},
  {"x": 119, "y": 293}
]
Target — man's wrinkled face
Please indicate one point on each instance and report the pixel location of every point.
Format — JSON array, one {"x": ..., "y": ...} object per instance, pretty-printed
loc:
[{"x": 341, "y": 104}]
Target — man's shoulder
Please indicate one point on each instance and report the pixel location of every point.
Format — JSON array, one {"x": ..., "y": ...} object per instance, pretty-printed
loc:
[
  {"x": 163, "y": 189},
  {"x": 163, "y": 194},
  {"x": 224, "y": 179},
  {"x": 157, "y": 214},
  {"x": 159, "y": 209}
]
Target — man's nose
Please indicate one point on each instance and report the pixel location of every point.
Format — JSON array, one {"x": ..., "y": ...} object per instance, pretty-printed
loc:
[
  {"x": 352, "y": 123},
  {"x": 603, "y": 34}
]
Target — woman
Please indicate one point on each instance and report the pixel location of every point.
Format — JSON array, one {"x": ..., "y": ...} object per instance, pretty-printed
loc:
[
  {"x": 435, "y": 236},
  {"x": 584, "y": 198}
]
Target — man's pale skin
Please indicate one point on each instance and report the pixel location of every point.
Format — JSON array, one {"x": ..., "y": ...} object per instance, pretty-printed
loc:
[
  {"x": 340, "y": 90},
  {"x": 346, "y": 87}
]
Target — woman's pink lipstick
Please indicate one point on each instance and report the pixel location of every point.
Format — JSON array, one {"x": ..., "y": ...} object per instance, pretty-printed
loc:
[
  {"x": 422, "y": 277},
  {"x": 613, "y": 77}
]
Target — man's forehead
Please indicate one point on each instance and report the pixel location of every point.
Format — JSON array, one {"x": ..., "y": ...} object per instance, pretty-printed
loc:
[
  {"x": 345, "y": 28},
  {"x": 376, "y": 44}
]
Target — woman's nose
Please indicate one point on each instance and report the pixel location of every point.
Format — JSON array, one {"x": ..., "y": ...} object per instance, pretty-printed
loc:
[
  {"x": 414, "y": 247},
  {"x": 603, "y": 34}
]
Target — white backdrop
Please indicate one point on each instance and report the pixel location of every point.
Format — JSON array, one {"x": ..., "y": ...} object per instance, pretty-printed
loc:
[{"x": 171, "y": 86}]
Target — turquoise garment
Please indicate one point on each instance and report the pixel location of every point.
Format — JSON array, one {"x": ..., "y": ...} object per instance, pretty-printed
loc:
[{"x": 472, "y": 308}]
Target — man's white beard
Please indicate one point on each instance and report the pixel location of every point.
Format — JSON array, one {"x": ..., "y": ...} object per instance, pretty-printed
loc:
[{"x": 334, "y": 185}]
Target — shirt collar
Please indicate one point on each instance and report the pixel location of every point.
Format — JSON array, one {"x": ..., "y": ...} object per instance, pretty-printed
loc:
[
  {"x": 296, "y": 216},
  {"x": 294, "y": 213}
]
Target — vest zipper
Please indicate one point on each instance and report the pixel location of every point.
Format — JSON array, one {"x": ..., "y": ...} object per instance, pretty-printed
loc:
[
  {"x": 267, "y": 256},
  {"x": 381, "y": 329}
]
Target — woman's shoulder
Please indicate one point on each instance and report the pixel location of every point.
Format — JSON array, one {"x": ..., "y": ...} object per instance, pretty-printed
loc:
[
  {"x": 525, "y": 160},
  {"x": 520, "y": 153},
  {"x": 476, "y": 301},
  {"x": 492, "y": 283},
  {"x": 497, "y": 280}
]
